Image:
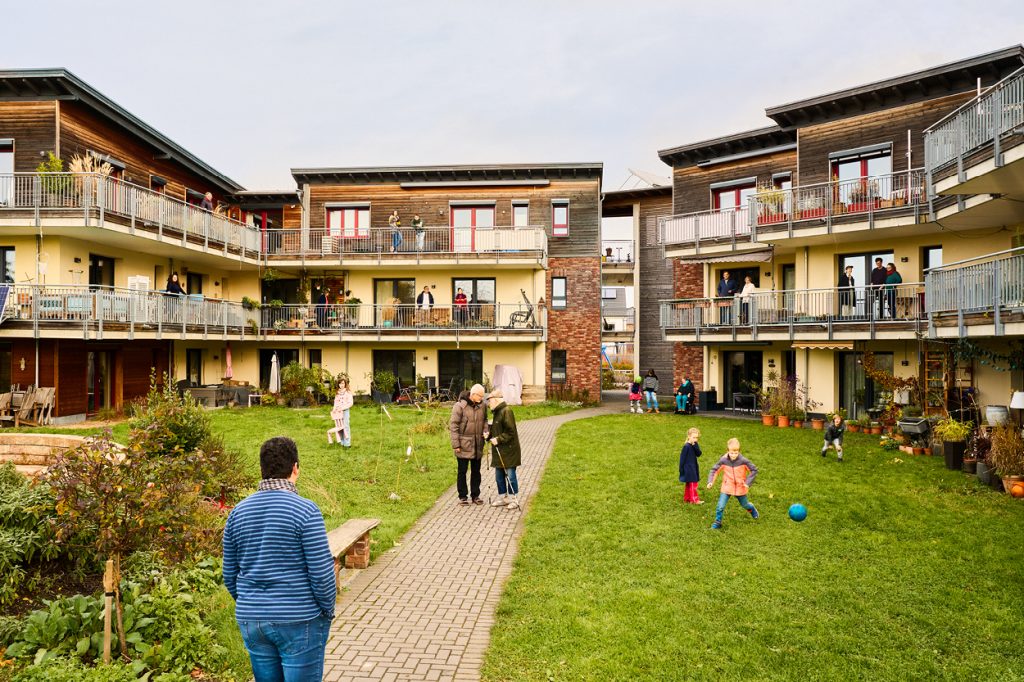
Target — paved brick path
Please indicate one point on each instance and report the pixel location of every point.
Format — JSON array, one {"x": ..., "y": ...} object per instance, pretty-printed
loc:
[{"x": 425, "y": 610}]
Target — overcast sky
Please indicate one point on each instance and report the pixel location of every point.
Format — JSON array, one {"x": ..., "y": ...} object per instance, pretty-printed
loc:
[{"x": 257, "y": 88}]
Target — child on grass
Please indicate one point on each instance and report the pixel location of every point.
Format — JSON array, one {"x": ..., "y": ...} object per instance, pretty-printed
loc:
[
  {"x": 834, "y": 436},
  {"x": 635, "y": 396},
  {"x": 738, "y": 475},
  {"x": 343, "y": 402},
  {"x": 689, "y": 473}
]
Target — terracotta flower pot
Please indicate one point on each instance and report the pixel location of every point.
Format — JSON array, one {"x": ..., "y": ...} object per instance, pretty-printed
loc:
[
  {"x": 927, "y": 452},
  {"x": 970, "y": 465},
  {"x": 918, "y": 451},
  {"x": 783, "y": 421},
  {"x": 768, "y": 419},
  {"x": 1010, "y": 481},
  {"x": 818, "y": 424},
  {"x": 875, "y": 430},
  {"x": 853, "y": 428},
  {"x": 798, "y": 424}
]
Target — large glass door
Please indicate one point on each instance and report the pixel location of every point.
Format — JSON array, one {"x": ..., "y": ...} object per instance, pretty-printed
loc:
[
  {"x": 401, "y": 363},
  {"x": 742, "y": 368},
  {"x": 465, "y": 221},
  {"x": 862, "y": 264},
  {"x": 464, "y": 367},
  {"x": 857, "y": 393},
  {"x": 395, "y": 301},
  {"x": 99, "y": 374}
]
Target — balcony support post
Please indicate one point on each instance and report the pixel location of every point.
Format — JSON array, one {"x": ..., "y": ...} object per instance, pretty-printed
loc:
[
  {"x": 131, "y": 317},
  {"x": 961, "y": 175},
  {"x": 997, "y": 127},
  {"x": 960, "y": 309},
  {"x": 159, "y": 318},
  {"x": 997, "y": 295}
]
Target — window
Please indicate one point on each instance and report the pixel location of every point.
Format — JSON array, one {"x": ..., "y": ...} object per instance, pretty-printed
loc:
[
  {"x": 472, "y": 216},
  {"x": 194, "y": 366},
  {"x": 558, "y": 293},
  {"x": 7, "y": 266},
  {"x": 193, "y": 198},
  {"x": 194, "y": 283},
  {"x": 782, "y": 181},
  {"x": 476, "y": 290},
  {"x": 852, "y": 170},
  {"x": 608, "y": 293},
  {"x": 520, "y": 214},
  {"x": 6, "y": 170},
  {"x": 461, "y": 368},
  {"x": 733, "y": 197},
  {"x": 560, "y": 218},
  {"x": 558, "y": 366},
  {"x": 348, "y": 221},
  {"x": 157, "y": 183},
  {"x": 316, "y": 357},
  {"x": 931, "y": 257}
]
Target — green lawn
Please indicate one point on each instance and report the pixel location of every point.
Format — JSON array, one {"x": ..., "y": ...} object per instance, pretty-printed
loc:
[{"x": 902, "y": 570}]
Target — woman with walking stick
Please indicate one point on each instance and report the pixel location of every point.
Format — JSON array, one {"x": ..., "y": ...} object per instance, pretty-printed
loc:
[{"x": 505, "y": 451}]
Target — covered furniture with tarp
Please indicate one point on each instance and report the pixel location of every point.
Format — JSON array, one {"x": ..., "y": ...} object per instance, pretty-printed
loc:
[{"x": 509, "y": 380}]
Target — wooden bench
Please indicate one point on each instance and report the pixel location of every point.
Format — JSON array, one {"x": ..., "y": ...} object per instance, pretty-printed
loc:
[{"x": 350, "y": 542}]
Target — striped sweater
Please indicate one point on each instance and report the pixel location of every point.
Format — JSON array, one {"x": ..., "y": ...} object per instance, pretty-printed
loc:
[{"x": 277, "y": 563}]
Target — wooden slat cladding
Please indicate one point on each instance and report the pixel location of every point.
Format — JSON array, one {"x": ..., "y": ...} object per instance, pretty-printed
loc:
[
  {"x": 691, "y": 186},
  {"x": 432, "y": 205},
  {"x": 815, "y": 143},
  {"x": 33, "y": 125},
  {"x": 82, "y": 130}
]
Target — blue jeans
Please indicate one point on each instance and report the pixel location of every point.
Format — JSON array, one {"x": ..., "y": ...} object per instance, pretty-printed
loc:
[
  {"x": 396, "y": 240},
  {"x": 346, "y": 440},
  {"x": 286, "y": 652},
  {"x": 499, "y": 477},
  {"x": 724, "y": 497},
  {"x": 652, "y": 398},
  {"x": 681, "y": 402}
]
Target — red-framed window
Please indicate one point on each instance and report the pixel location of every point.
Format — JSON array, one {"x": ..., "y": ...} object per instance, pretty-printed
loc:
[
  {"x": 6, "y": 168},
  {"x": 157, "y": 184},
  {"x": 472, "y": 216},
  {"x": 560, "y": 218},
  {"x": 862, "y": 166},
  {"x": 350, "y": 222},
  {"x": 782, "y": 181},
  {"x": 732, "y": 198}
]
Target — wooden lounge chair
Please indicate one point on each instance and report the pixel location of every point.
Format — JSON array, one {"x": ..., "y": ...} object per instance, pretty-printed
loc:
[{"x": 5, "y": 407}]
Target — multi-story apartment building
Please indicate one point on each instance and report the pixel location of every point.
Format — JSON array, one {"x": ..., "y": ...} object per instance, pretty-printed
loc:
[
  {"x": 878, "y": 171},
  {"x": 315, "y": 274}
]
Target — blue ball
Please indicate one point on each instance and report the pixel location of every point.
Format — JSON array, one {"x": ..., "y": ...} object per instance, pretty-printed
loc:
[{"x": 797, "y": 512}]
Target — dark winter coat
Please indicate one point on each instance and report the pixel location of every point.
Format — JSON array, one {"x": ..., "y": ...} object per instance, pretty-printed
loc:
[
  {"x": 726, "y": 288},
  {"x": 466, "y": 428},
  {"x": 503, "y": 427},
  {"x": 834, "y": 432},
  {"x": 688, "y": 469},
  {"x": 878, "y": 276},
  {"x": 686, "y": 388}
]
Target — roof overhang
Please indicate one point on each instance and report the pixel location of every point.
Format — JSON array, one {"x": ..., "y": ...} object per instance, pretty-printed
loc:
[
  {"x": 444, "y": 176},
  {"x": 747, "y": 144},
  {"x": 938, "y": 81},
  {"x": 264, "y": 198},
  {"x": 823, "y": 345},
  {"x": 61, "y": 84}
]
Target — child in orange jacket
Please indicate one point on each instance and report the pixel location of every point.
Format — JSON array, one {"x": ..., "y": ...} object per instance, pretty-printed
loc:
[{"x": 738, "y": 473}]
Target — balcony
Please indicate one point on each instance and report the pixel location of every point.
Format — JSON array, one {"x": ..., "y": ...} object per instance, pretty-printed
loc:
[
  {"x": 617, "y": 254},
  {"x": 618, "y": 325},
  {"x": 479, "y": 321},
  {"x": 981, "y": 296},
  {"x": 111, "y": 313},
  {"x": 973, "y": 150},
  {"x": 890, "y": 200},
  {"x": 67, "y": 199},
  {"x": 806, "y": 314},
  {"x": 440, "y": 245}
]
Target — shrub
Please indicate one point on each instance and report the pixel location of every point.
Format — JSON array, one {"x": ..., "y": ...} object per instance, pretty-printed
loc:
[
  {"x": 951, "y": 430},
  {"x": 312, "y": 384},
  {"x": 1007, "y": 454},
  {"x": 26, "y": 511}
]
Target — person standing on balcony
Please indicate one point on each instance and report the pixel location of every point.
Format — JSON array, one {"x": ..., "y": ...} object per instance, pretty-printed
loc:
[
  {"x": 461, "y": 307},
  {"x": 726, "y": 291},
  {"x": 207, "y": 202},
  {"x": 892, "y": 280},
  {"x": 174, "y": 286},
  {"x": 395, "y": 223},
  {"x": 424, "y": 303},
  {"x": 878, "y": 276},
  {"x": 321, "y": 307},
  {"x": 421, "y": 234},
  {"x": 744, "y": 296},
  {"x": 846, "y": 291}
]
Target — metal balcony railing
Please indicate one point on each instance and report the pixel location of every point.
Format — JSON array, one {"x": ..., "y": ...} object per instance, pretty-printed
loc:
[
  {"x": 97, "y": 308},
  {"x": 714, "y": 225},
  {"x": 406, "y": 242},
  {"x": 829, "y": 201},
  {"x": 982, "y": 121},
  {"x": 140, "y": 208},
  {"x": 992, "y": 285},
  {"x": 863, "y": 305},
  {"x": 617, "y": 251},
  {"x": 618, "y": 320},
  {"x": 498, "y": 318}
]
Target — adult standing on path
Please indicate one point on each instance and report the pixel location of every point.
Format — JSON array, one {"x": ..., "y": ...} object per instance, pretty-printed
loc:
[
  {"x": 651, "y": 390},
  {"x": 279, "y": 570},
  {"x": 506, "y": 453},
  {"x": 466, "y": 428}
]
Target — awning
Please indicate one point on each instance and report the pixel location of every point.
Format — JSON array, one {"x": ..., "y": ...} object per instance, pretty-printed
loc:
[
  {"x": 823, "y": 345},
  {"x": 762, "y": 256}
]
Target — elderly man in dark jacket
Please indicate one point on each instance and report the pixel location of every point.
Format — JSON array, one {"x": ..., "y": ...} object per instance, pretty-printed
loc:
[
  {"x": 506, "y": 454},
  {"x": 467, "y": 433}
]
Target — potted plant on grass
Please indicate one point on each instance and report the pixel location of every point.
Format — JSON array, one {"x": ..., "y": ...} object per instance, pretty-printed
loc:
[
  {"x": 953, "y": 434},
  {"x": 382, "y": 385},
  {"x": 1007, "y": 455},
  {"x": 797, "y": 418},
  {"x": 981, "y": 448}
]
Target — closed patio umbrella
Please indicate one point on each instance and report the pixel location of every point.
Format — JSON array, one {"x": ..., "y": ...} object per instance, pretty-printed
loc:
[
  {"x": 275, "y": 375},
  {"x": 229, "y": 371}
]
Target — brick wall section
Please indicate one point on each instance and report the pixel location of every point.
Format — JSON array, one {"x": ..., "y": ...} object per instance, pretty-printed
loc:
[
  {"x": 688, "y": 282},
  {"x": 577, "y": 328}
]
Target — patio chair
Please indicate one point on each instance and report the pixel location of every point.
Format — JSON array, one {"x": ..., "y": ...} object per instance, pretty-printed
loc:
[
  {"x": 5, "y": 407},
  {"x": 450, "y": 394},
  {"x": 523, "y": 317}
]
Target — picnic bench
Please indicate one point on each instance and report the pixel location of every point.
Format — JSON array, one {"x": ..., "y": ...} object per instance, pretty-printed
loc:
[{"x": 350, "y": 542}]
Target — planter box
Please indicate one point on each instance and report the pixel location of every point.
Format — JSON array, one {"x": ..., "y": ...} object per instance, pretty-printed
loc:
[{"x": 915, "y": 426}]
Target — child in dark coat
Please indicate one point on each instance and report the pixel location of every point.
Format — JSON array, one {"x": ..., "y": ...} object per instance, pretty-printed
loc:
[
  {"x": 834, "y": 436},
  {"x": 689, "y": 473}
]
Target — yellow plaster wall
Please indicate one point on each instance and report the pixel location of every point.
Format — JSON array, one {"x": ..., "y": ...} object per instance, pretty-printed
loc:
[{"x": 507, "y": 283}]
